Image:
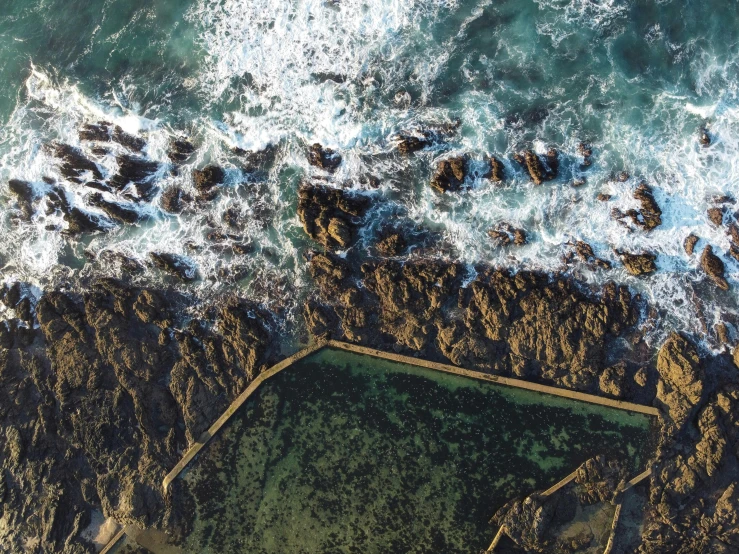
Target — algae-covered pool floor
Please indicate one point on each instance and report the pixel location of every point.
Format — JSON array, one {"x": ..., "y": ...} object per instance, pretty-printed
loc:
[{"x": 346, "y": 453}]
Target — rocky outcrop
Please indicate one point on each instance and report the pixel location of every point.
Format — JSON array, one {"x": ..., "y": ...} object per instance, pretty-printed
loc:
[
  {"x": 329, "y": 215},
  {"x": 324, "y": 158},
  {"x": 180, "y": 149},
  {"x": 176, "y": 265},
  {"x": 638, "y": 264},
  {"x": 136, "y": 170},
  {"x": 650, "y": 214},
  {"x": 505, "y": 234},
  {"x": 713, "y": 267},
  {"x": 538, "y": 172},
  {"x": 681, "y": 378},
  {"x": 450, "y": 175},
  {"x": 174, "y": 200},
  {"x": 98, "y": 405},
  {"x": 497, "y": 170},
  {"x": 502, "y": 323},
  {"x": 689, "y": 244},
  {"x": 25, "y": 196},
  {"x": 115, "y": 210},
  {"x": 587, "y": 256},
  {"x": 73, "y": 164}
]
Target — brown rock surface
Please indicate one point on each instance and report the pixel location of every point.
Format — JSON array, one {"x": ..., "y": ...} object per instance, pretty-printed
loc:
[
  {"x": 328, "y": 215},
  {"x": 638, "y": 264},
  {"x": 450, "y": 175},
  {"x": 689, "y": 244},
  {"x": 714, "y": 267},
  {"x": 681, "y": 378}
]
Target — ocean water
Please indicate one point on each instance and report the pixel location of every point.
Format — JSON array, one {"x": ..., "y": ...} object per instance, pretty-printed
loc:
[
  {"x": 347, "y": 453},
  {"x": 636, "y": 79}
]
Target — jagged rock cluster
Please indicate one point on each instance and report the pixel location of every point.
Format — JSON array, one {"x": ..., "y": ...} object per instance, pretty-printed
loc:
[{"x": 99, "y": 395}]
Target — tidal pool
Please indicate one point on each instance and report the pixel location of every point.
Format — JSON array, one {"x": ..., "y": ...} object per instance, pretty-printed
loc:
[{"x": 346, "y": 453}]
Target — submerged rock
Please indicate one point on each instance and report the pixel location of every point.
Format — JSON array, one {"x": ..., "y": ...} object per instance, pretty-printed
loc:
[
  {"x": 324, "y": 158},
  {"x": 638, "y": 264},
  {"x": 174, "y": 264},
  {"x": 714, "y": 267},
  {"x": 450, "y": 175}
]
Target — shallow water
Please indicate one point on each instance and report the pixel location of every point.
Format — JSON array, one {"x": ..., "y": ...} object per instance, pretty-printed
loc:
[
  {"x": 635, "y": 78},
  {"x": 347, "y": 453}
]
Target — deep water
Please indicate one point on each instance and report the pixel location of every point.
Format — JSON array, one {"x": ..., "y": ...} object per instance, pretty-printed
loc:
[
  {"x": 347, "y": 453},
  {"x": 635, "y": 79}
]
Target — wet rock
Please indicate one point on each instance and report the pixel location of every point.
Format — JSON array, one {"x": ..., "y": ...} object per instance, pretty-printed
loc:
[
  {"x": 497, "y": 170},
  {"x": 256, "y": 160},
  {"x": 174, "y": 264},
  {"x": 97, "y": 185},
  {"x": 135, "y": 144},
  {"x": 716, "y": 216},
  {"x": 174, "y": 200},
  {"x": 127, "y": 264},
  {"x": 116, "y": 211},
  {"x": 391, "y": 243},
  {"x": 79, "y": 221},
  {"x": 579, "y": 182},
  {"x": 537, "y": 171},
  {"x": 324, "y": 158},
  {"x": 586, "y": 151},
  {"x": 651, "y": 214},
  {"x": 713, "y": 267},
  {"x": 585, "y": 252},
  {"x": 638, "y": 264},
  {"x": 74, "y": 164},
  {"x": 505, "y": 234},
  {"x": 25, "y": 195},
  {"x": 704, "y": 139},
  {"x": 133, "y": 169},
  {"x": 689, "y": 244},
  {"x": 328, "y": 215},
  {"x": 95, "y": 133},
  {"x": 207, "y": 178},
  {"x": 603, "y": 197},
  {"x": 450, "y": 175},
  {"x": 408, "y": 144},
  {"x": 180, "y": 150},
  {"x": 232, "y": 218}
]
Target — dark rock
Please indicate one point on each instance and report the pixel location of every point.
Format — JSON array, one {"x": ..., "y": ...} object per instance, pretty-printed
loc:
[
  {"x": 98, "y": 186},
  {"x": 638, "y": 264},
  {"x": 174, "y": 200},
  {"x": 26, "y": 195},
  {"x": 95, "y": 133},
  {"x": 689, "y": 244},
  {"x": 133, "y": 169},
  {"x": 408, "y": 144},
  {"x": 135, "y": 144},
  {"x": 79, "y": 222},
  {"x": 704, "y": 138},
  {"x": 208, "y": 177},
  {"x": 126, "y": 263},
  {"x": 450, "y": 175},
  {"x": 180, "y": 150},
  {"x": 254, "y": 161},
  {"x": 115, "y": 210},
  {"x": 714, "y": 267},
  {"x": 174, "y": 264},
  {"x": 324, "y": 158},
  {"x": 73, "y": 163},
  {"x": 328, "y": 214},
  {"x": 536, "y": 169},
  {"x": 603, "y": 197}
]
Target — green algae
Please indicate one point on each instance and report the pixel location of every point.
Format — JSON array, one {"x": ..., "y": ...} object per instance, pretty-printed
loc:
[{"x": 349, "y": 453}]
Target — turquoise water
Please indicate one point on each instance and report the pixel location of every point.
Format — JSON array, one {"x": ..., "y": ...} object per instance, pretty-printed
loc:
[
  {"x": 634, "y": 78},
  {"x": 346, "y": 453}
]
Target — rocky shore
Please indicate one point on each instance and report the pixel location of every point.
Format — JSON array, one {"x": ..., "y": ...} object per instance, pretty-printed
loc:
[{"x": 104, "y": 384}]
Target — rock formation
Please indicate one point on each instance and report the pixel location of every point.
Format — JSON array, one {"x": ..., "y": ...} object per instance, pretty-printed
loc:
[{"x": 329, "y": 215}]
